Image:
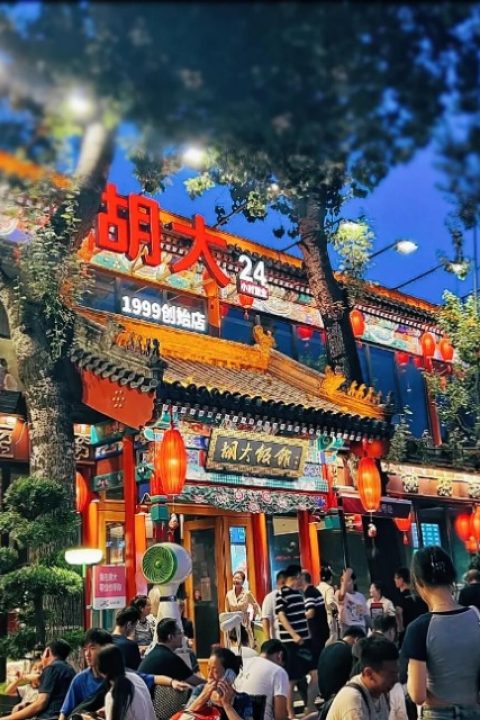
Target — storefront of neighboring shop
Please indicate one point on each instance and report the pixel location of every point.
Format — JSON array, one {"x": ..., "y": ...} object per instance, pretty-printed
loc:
[{"x": 220, "y": 336}]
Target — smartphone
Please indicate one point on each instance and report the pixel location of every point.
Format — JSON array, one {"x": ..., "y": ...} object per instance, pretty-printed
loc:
[{"x": 229, "y": 676}]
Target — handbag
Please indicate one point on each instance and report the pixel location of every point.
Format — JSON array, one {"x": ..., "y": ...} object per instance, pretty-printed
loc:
[
  {"x": 167, "y": 701},
  {"x": 207, "y": 712}
]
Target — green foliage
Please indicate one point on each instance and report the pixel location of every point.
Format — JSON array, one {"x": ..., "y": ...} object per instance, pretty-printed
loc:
[
  {"x": 353, "y": 242},
  {"x": 27, "y": 583},
  {"x": 16, "y": 645},
  {"x": 8, "y": 559},
  {"x": 398, "y": 450},
  {"x": 31, "y": 497}
]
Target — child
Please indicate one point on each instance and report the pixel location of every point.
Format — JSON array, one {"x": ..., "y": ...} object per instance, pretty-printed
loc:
[{"x": 26, "y": 686}]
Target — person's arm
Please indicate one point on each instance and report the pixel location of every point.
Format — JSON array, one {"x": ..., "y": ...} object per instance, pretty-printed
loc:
[
  {"x": 226, "y": 697},
  {"x": 200, "y": 696},
  {"x": 280, "y": 711},
  {"x": 343, "y": 585},
  {"x": 267, "y": 628},
  {"x": 194, "y": 680},
  {"x": 399, "y": 615},
  {"x": 417, "y": 681},
  {"x": 11, "y": 688},
  {"x": 256, "y": 606},
  {"x": 284, "y": 620},
  {"x": 268, "y": 619},
  {"x": 31, "y": 710}
]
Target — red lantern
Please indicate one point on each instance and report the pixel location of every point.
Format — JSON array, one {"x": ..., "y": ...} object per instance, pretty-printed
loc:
[
  {"x": 170, "y": 464},
  {"x": 418, "y": 361},
  {"x": 369, "y": 484},
  {"x": 305, "y": 332},
  {"x": 82, "y": 493},
  {"x": 404, "y": 525},
  {"x": 224, "y": 310},
  {"x": 427, "y": 343},
  {"x": 462, "y": 526},
  {"x": 375, "y": 449},
  {"x": 246, "y": 301},
  {"x": 358, "y": 323},
  {"x": 446, "y": 349},
  {"x": 471, "y": 545},
  {"x": 401, "y": 358},
  {"x": 475, "y": 524}
]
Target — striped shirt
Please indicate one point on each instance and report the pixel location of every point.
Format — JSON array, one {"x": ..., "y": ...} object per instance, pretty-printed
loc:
[{"x": 291, "y": 602}]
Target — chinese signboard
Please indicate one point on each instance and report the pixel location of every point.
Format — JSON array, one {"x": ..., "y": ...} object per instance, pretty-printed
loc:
[
  {"x": 389, "y": 507},
  {"x": 256, "y": 454},
  {"x": 108, "y": 587}
]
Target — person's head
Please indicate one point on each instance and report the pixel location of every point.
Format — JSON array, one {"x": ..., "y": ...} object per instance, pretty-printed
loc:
[
  {"x": 402, "y": 578},
  {"x": 274, "y": 651},
  {"x": 376, "y": 591},
  {"x": 326, "y": 574},
  {"x": 351, "y": 584},
  {"x": 243, "y": 636},
  {"x": 93, "y": 641},
  {"x": 353, "y": 634},
  {"x": 292, "y": 576},
  {"x": 238, "y": 578},
  {"x": 379, "y": 664},
  {"x": 143, "y": 605},
  {"x": 305, "y": 579},
  {"x": 221, "y": 659},
  {"x": 169, "y": 633},
  {"x": 280, "y": 579},
  {"x": 55, "y": 650},
  {"x": 35, "y": 673},
  {"x": 126, "y": 620},
  {"x": 472, "y": 577},
  {"x": 385, "y": 625},
  {"x": 110, "y": 665},
  {"x": 432, "y": 569}
]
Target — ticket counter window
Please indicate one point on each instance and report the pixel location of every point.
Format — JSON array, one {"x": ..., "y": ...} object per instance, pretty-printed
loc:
[
  {"x": 238, "y": 551},
  {"x": 115, "y": 543}
]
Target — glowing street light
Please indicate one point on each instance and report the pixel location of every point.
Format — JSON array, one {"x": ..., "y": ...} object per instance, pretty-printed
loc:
[
  {"x": 80, "y": 105},
  {"x": 404, "y": 247},
  {"x": 194, "y": 156},
  {"x": 83, "y": 556}
]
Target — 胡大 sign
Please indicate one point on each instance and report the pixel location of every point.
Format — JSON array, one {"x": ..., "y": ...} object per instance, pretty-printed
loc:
[{"x": 256, "y": 454}]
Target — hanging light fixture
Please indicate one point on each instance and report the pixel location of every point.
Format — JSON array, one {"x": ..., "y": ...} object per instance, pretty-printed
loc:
[
  {"x": 401, "y": 358},
  {"x": 305, "y": 332},
  {"x": 369, "y": 484},
  {"x": 446, "y": 349},
  {"x": 475, "y": 524},
  {"x": 357, "y": 321},
  {"x": 82, "y": 493},
  {"x": 246, "y": 301},
  {"x": 404, "y": 525},
  {"x": 427, "y": 343},
  {"x": 462, "y": 526},
  {"x": 170, "y": 462},
  {"x": 224, "y": 310}
]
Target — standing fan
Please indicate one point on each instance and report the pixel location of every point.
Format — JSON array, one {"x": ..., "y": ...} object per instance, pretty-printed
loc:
[{"x": 166, "y": 565}]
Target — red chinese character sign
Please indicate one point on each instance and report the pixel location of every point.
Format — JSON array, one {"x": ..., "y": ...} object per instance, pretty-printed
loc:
[
  {"x": 131, "y": 226},
  {"x": 108, "y": 587}
]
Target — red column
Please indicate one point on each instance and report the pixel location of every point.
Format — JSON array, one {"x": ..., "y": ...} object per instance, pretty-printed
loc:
[
  {"x": 130, "y": 497},
  {"x": 314, "y": 553},
  {"x": 304, "y": 540},
  {"x": 261, "y": 564},
  {"x": 434, "y": 421}
]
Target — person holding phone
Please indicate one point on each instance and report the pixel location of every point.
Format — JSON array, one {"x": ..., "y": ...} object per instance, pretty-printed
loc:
[{"x": 223, "y": 668}]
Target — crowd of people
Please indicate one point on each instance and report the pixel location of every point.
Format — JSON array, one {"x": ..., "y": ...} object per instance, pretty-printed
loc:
[{"x": 348, "y": 656}]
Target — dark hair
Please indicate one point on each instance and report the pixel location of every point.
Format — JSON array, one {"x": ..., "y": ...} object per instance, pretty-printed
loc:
[
  {"x": 378, "y": 585},
  {"x": 375, "y": 650},
  {"x": 269, "y": 647},
  {"x": 384, "y": 623},
  {"x": 280, "y": 576},
  {"x": 110, "y": 663},
  {"x": 326, "y": 573},
  {"x": 306, "y": 576},
  {"x": 97, "y": 636},
  {"x": 472, "y": 575},
  {"x": 59, "y": 648},
  {"x": 354, "y": 631},
  {"x": 403, "y": 573},
  {"x": 292, "y": 571},
  {"x": 240, "y": 572},
  {"x": 139, "y": 601},
  {"x": 165, "y": 628},
  {"x": 229, "y": 660},
  {"x": 243, "y": 635},
  {"x": 432, "y": 566},
  {"x": 128, "y": 614}
]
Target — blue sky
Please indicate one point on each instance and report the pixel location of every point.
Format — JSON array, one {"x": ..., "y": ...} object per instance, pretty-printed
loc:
[{"x": 406, "y": 204}]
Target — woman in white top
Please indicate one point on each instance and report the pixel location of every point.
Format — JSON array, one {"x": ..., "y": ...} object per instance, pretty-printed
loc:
[
  {"x": 128, "y": 697},
  {"x": 377, "y": 598},
  {"x": 352, "y": 606}
]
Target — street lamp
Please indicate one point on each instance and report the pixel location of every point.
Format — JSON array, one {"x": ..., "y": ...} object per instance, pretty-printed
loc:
[
  {"x": 457, "y": 267},
  {"x": 402, "y": 246},
  {"x": 193, "y": 156},
  {"x": 80, "y": 105}
]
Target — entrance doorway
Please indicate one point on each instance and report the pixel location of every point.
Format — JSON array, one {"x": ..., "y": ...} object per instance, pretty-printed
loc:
[{"x": 219, "y": 546}]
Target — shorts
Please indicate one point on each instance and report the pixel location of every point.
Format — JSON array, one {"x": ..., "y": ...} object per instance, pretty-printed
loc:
[{"x": 299, "y": 659}]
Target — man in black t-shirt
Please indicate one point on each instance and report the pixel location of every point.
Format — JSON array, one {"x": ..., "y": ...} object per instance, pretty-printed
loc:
[
  {"x": 54, "y": 683},
  {"x": 470, "y": 594},
  {"x": 125, "y": 624},
  {"x": 409, "y": 606},
  {"x": 162, "y": 660}
]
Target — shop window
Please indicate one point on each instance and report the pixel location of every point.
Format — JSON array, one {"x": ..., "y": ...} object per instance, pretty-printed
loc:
[
  {"x": 283, "y": 543},
  {"x": 115, "y": 543},
  {"x": 430, "y": 534},
  {"x": 236, "y": 327},
  {"x": 238, "y": 551},
  {"x": 312, "y": 353},
  {"x": 413, "y": 394},
  {"x": 102, "y": 295}
]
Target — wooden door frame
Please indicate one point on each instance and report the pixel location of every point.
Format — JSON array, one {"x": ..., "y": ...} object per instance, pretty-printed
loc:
[{"x": 239, "y": 520}]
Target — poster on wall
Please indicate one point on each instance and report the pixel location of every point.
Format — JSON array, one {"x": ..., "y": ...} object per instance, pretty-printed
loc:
[{"x": 109, "y": 587}]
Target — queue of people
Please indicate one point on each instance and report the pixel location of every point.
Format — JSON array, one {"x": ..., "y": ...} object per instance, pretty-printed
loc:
[{"x": 417, "y": 658}]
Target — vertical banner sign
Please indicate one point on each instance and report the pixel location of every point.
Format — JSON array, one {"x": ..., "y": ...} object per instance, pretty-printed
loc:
[{"x": 109, "y": 587}]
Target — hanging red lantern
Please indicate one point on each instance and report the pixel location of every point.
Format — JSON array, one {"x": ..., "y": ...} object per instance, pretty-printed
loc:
[
  {"x": 305, "y": 332},
  {"x": 427, "y": 343},
  {"x": 170, "y": 464},
  {"x": 404, "y": 525},
  {"x": 224, "y": 310},
  {"x": 475, "y": 524},
  {"x": 375, "y": 449},
  {"x": 471, "y": 545},
  {"x": 358, "y": 323},
  {"x": 401, "y": 358},
  {"x": 82, "y": 493},
  {"x": 369, "y": 484},
  {"x": 462, "y": 526},
  {"x": 246, "y": 301},
  {"x": 418, "y": 362},
  {"x": 446, "y": 349}
]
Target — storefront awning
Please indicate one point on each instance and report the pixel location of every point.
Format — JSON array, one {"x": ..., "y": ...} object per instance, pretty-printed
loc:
[{"x": 389, "y": 507}]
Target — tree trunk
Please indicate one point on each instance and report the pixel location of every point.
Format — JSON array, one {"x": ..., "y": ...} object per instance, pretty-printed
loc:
[{"x": 331, "y": 299}]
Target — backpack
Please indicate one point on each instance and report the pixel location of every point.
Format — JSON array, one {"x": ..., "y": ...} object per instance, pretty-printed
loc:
[{"x": 322, "y": 715}]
